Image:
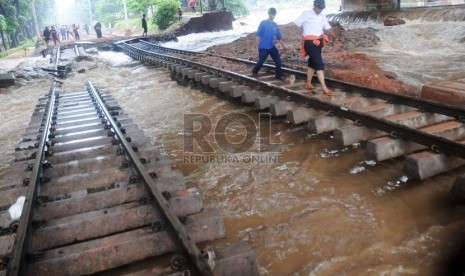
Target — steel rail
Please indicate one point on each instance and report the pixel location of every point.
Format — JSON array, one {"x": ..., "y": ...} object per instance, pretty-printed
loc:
[
  {"x": 23, "y": 239},
  {"x": 172, "y": 50},
  {"x": 76, "y": 50},
  {"x": 435, "y": 143},
  {"x": 57, "y": 57},
  {"x": 421, "y": 104},
  {"x": 182, "y": 236}
]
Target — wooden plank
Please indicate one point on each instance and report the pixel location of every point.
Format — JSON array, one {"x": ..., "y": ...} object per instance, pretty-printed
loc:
[
  {"x": 449, "y": 92},
  {"x": 84, "y": 201},
  {"x": 121, "y": 249},
  {"x": 6, "y": 244},
  {"x": 94, "y": 224}
]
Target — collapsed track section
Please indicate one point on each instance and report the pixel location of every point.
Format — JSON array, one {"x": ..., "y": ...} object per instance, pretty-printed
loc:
[
  {"x": 89, "y": 192},
  {"x": 429, "y": 135}
]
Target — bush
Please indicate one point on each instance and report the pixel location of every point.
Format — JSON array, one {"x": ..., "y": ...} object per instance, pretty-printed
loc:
[
  {"x": 166, "y": 13},
  {"x": 24, "y": 45}
]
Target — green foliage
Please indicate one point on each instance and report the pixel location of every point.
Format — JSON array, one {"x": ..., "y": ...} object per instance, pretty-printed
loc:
[
  {"x": 2, "y": 22},
  {"x": 45, "y": 10},
  {"x": 16, "y": 20},
  {"x": 108, "y": 11},
  {"x": 12, "y": 26},
  {"x": 8, "y": 52},
  {"x": 237, "y": 7},
  {"x": 24, "y": 45},
  {"x": 139, "y": 6},
  {"x": 166, "y": 13},
  {"x": 9, "y": 13}
]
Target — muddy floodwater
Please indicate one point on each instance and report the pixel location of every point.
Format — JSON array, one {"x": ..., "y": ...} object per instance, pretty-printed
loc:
[{"x": 317, "y": 210}]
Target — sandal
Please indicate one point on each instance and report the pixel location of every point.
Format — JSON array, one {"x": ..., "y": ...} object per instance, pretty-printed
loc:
[
  {"x": 310, "y": 87},
  {"x": 328, "y": 92}
]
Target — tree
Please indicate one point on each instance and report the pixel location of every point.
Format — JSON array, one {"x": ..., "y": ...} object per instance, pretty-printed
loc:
[
  {"x": 212, "y": 4},
  {"x": 108, "y": 11},
  {"x": 8, "y": 11},
  {"x": 2, "y": 29},
  {"x": 165, "y": 14},
  {"x": 85, "y": 10},
  {"x": 237, "y": 7},
  {"x": 34, "y": 17},
  {"x": 140, "y": 6},
  {"x": 19, "y": 18},
  {"x": 45, "y": 10}
]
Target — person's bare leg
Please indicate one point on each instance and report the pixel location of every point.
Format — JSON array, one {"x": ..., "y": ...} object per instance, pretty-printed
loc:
[
  {"x": 321, "y": 77},
  {"x": 309, "y": 85}
]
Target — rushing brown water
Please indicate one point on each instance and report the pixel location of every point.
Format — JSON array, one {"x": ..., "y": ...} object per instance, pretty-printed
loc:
[
  {"x": 17, "y": 105},
  {"x": 320, "y": 211}
]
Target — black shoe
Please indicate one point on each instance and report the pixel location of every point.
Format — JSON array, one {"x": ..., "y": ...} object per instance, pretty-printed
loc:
[{"x": 254, "y": 75}]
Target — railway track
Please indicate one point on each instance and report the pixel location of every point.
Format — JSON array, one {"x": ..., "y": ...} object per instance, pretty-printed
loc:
[
  {"x": 89, "y": 192},
  {"x": 429, "y": 135}
]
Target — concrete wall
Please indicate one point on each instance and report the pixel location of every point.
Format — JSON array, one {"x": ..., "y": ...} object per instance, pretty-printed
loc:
[{"x": 208, "y": 22}]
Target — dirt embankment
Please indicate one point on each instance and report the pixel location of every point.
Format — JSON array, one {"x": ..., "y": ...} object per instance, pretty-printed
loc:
[
  {"x": 208, "y": 22},
  {"x": 341, "y": 61}
]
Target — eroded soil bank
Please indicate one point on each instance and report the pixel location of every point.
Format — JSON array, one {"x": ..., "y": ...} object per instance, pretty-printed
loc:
[{"x": 342, "y": 57}]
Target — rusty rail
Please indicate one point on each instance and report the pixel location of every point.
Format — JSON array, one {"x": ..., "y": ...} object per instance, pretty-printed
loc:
[
  {"x": 181, "y": 234},
  {"x": 23, "y": 236}
]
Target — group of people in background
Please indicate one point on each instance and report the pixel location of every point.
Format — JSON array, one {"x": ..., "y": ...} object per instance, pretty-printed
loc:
[
  {"x": 67, "y": 33},
  {"x": 191, "y": 5},
  {"x": 72, "y": 32},
  {"x": 50, "y": 33}
]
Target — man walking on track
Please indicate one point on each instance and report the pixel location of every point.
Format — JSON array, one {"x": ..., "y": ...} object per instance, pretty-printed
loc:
[
  {"x": 314, "y": 23},
  {"x": 266, "y": 34},
  {"x": 144, "y": 25}
]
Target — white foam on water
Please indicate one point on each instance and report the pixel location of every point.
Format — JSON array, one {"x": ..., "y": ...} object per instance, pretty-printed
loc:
[
  {"x": 241, "y": 27},
  {"x": 420, "y": 52}
]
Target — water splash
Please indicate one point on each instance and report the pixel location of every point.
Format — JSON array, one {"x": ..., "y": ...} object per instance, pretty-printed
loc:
[
  {"x": 356, "y": 145},
  {"x": 362, "y": 166},
  {"x": 392, "y": 185},
  {"x": 427, "y": 14},
  {"x": 402, "y": 50},
  {"x": 331, "y": 153}
]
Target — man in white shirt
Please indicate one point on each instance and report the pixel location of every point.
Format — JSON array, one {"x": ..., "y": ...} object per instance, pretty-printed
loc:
[{"x": 313, "y": 24}]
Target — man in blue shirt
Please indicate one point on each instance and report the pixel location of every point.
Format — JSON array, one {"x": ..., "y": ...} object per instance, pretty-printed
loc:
[{"x": 266, "y": 34}]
